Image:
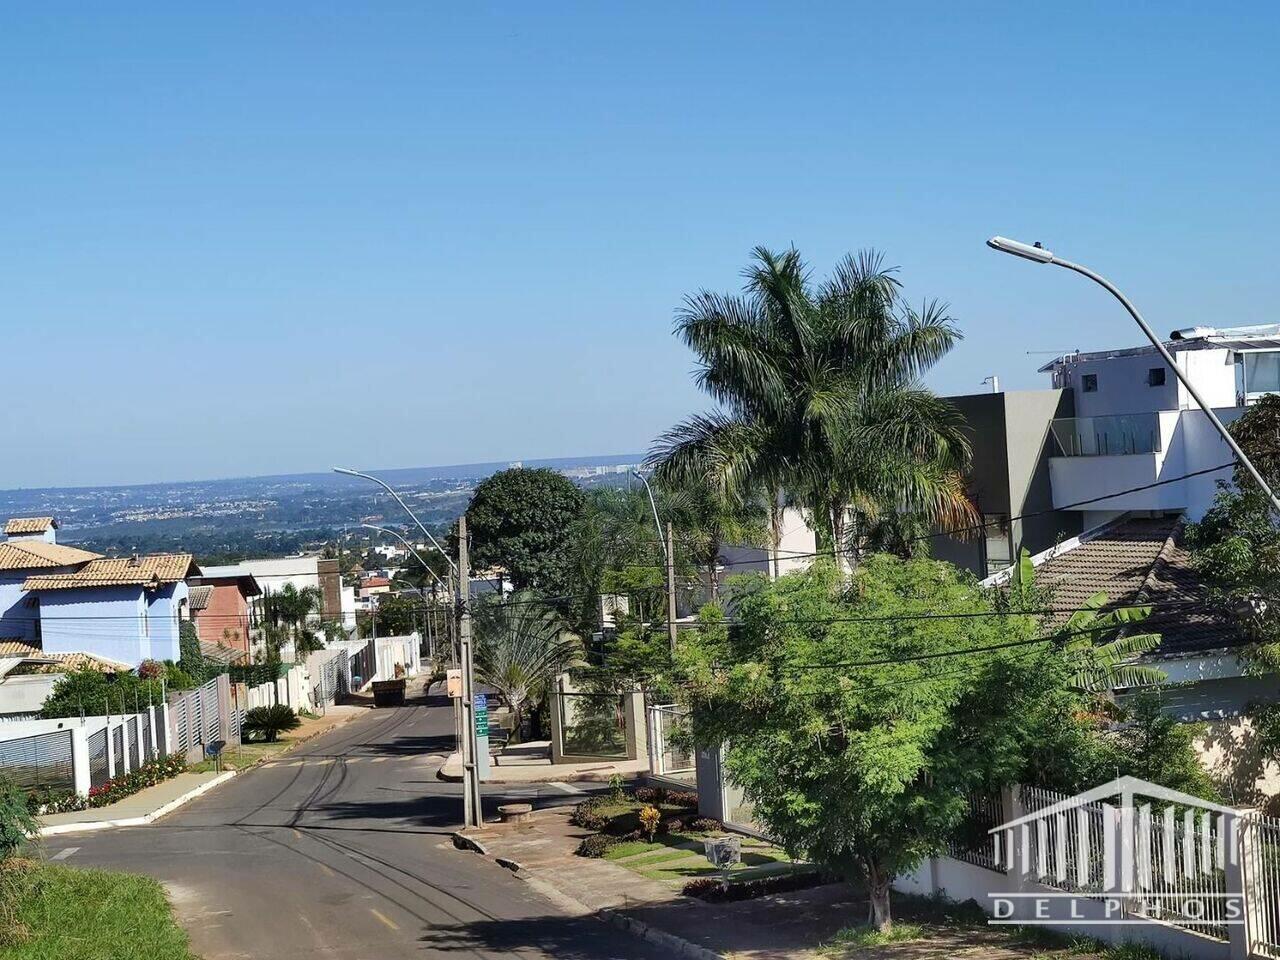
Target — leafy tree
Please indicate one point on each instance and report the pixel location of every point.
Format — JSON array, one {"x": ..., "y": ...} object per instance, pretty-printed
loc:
[
  {"x": 395, "y": 616},
  {"x": 1236, "y": 545},
  {"x": 857, "y": 727},
  {"x": 521, "y": 644},
  {"x": 819, "y": 394},
  {"x": 92, "y": 693},
  {"x": 191, "y": 658},
  {"x": 521, "y": 520},
  {"x": 287, "y": 614}
]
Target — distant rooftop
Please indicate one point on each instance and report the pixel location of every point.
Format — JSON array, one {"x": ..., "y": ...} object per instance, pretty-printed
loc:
[
  {"x": 36, "y": 554},
  {"x": 25, "y": 525},
  {"x": 1258, "y": 336},
  {"x": 148, "y": 571}
]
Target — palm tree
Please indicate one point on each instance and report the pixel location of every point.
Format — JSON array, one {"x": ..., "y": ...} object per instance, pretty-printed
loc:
[
  {"x": 521, "y": 644},
  {"x": 707, "y": 520},
  {"x": 286, "y": 613},
  {"x": 819, "y": 394}
]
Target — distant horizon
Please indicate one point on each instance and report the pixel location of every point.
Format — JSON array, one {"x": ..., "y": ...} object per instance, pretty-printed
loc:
[{"x": 602, "y": 459}]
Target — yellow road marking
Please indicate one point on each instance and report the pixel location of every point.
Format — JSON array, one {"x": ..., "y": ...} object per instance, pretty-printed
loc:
[
  {"x": 297, "y": 835},
  {"x": 384, "y": 918}
]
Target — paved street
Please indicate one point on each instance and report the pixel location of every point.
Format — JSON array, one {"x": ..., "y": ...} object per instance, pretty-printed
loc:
[{"x": 341, "y": 850}]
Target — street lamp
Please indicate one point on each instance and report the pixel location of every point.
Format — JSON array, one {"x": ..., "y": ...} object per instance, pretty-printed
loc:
[
  {"x": 1038, "y": 254},
  {"x": 409, "y": 547},
  {"x": 472, "y": 815},
  {"x": 667, "y": 540},
  {"x": 387, "y": 487}
]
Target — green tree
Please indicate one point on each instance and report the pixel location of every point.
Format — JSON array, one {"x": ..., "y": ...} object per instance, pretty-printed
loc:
[
  {"x": 521, "y": 644},
  {"x": 191, "y": 659},
  {"x": 521, "y": 520},
  {"x": 1236, "y": 544},
  {"x": 859, "y": 716},
  {"x": 819, "y": 394},
  {"x": 396, "y": 616},
  {"x": 92, "y": 693},
  {"x": 287, "y": 616}
]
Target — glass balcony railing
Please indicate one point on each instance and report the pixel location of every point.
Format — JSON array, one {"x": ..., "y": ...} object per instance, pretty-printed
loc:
[{"x": 1107, "y": 436}]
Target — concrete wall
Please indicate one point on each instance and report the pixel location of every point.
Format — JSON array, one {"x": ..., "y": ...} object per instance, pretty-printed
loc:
[{"x": 25, "y": 695}]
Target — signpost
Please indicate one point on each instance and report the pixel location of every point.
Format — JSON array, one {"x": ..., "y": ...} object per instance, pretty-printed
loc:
[{"x": 482, "y": 734}]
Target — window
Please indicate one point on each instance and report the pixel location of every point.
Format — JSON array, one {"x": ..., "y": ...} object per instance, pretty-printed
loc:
[
  {"x": 1261, "y": 372},
  {"x": 1089, "y": 383},
  {"x": 1155, "y": 377}
]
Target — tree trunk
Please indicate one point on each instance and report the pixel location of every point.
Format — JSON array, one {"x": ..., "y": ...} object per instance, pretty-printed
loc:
[
  {"x": 713, "y": 579},
  {"x": 879, "y": 915},
  {"x": 775, "y": 521}
]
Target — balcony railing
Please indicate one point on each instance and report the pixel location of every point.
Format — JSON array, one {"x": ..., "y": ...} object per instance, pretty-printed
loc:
[{"x": 1107, "y": 436}]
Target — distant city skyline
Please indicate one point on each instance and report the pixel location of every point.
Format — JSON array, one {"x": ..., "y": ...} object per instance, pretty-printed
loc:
[{"x": 252, "y": 240}]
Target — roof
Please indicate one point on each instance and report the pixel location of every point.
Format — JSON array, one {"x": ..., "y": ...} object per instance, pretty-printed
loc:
[
  {"x": 58, "y": 662},
  {"x": 150, "y": 571},
  {"x": 223, "y": 575},
  {"x": 221, "y": 653},
  {"x": 1139, "y": 560},
  {"x": 374, "y": 582},
  {"x": 34, "y": 554},
  {"x": 1260, "y": 336},
  {"x": 199, "y": 598},
  {"x": 21, "y": 525}
]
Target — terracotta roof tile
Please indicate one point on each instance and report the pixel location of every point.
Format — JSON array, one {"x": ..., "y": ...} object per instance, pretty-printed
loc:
[
  {"x": 1141, "y": 560},
  {"x": 200, "y": 597},
  {"x": 149, "y": 571},
  {"x": 61, "y": 661},
  {"x": 21, "y": 525},
  {"x": 35, "y": 554}
]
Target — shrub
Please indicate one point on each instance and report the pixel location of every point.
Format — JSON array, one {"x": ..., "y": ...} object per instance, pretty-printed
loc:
[
  {"x": 683, "y": 798},
  {"x": 270, "y": 722},
  {"x": 594, "y": 846},
  {"x": 585, "y": 816},
  {"x": 16, "y": 820},
  {"x": 649, "y": 820},
  {"x": 711, "y": 888},
  {"x": 651, "y": 795},
  {"x": 706, "y": 825},
  {"x": 125, "y": 785}
]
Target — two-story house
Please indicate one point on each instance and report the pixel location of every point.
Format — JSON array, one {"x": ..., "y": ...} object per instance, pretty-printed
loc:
[
  {"x": 126, "y": 609},
  {"x": 30, "y": 547}
]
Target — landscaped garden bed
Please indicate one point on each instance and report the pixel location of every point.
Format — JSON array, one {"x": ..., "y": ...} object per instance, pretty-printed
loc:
[{"x": 45, "y": 803}]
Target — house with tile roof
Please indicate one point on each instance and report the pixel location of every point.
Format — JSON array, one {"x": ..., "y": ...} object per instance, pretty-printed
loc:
[
  {"x": 30, "y": 548},
  {"x": 222, "y": 608},
  {"x": 122, "y": 608}
]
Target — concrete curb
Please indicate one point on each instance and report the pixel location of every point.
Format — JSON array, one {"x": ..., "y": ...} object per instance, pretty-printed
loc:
[
  {"x": 89, "y": 826},
  {"x": 553, "y": 776}
]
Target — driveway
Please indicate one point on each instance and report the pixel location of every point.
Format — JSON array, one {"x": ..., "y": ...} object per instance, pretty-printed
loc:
[{"x": 341, "y": 850}]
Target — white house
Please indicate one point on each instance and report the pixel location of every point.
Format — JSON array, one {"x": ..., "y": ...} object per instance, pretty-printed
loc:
[{"x": 1136, "y": 424}]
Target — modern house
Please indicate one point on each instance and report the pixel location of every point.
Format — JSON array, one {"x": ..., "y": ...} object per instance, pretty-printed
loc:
[
  {"x": 273, "y": 574},
  {"x": 222, "y": 609},
  {"x": 125, "y": 609},
  {"x": 1012, "y": 441}
]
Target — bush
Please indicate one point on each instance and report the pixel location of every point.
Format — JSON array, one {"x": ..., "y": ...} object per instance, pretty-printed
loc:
[
  {"x": 711, "y": 889},
  {"x": 706, "y": 825},
  {"x": 44, "y": 802},
  {"x": 650, "y": 817},
  {"x": 652, "y": 795},
  {"x": 585, "y": 816},
  {"x": 270, "y": 722},
  {"x": 683, "y": 798},
  {"x": 125, "y": 785},
  {"x": 594, "y": 846},
  {"x": 16, "y": 820}
]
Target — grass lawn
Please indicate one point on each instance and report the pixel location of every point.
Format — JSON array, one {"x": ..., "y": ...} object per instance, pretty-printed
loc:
[
  {"x": 93, "y": 915},
  {"x": 245, "y": 755}
]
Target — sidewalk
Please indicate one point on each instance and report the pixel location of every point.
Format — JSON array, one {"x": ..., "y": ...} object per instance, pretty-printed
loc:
[
  {"x": 141, "y": 808},
  {"x": 152, "y": 803},
  {"x": 788, "y": 925},
  {"x": 524, "y": 769}
]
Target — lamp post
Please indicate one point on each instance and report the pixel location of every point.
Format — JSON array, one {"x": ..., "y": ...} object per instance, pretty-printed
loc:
[
  {"x": 668, "y": 552},
  {"x": 472, "y": 815},
  {"x": 1037, "y": 254}
]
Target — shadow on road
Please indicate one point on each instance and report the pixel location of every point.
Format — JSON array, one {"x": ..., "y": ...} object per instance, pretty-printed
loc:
[{"x": 567, "y": 938}]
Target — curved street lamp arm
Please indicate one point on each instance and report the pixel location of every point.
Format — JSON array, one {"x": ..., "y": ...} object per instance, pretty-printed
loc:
[
  {"x": 409, "y": 547},
  {"x": 386, "y": 486},
  {"x": 653, "y": 504}
]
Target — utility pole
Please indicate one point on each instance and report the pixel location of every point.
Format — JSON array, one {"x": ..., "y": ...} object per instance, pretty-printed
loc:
[
  {"x": 671, "y": 589},
  {"x": 472, "y": 813}
]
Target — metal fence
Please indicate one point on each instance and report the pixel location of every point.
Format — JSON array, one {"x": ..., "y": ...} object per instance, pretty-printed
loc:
[
  {"x": 195, "y": 716},
  {"x": 1174, "y": 869},
  {"x": 1262, "y": 876},
  {"x": 117, "y": 748},
  {"x": 972, "y": 841},
  {"x": 99, "y": 761},
  {"x": 670, "y": 752},
  {"x": 40, "y": 762}
]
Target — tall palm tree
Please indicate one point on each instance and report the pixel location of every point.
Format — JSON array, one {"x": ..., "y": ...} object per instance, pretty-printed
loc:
[
  {"x": 818, "y": 392},
  {"x": 521, "y": 644}
]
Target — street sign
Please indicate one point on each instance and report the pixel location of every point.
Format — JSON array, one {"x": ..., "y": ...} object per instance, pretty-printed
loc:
[
  {"x": 481, "y": 704},
  {"x": 453, "y": 683}
]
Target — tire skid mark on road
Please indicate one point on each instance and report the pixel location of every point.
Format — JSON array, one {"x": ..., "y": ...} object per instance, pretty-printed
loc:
[{"x": 261, "y": 834}]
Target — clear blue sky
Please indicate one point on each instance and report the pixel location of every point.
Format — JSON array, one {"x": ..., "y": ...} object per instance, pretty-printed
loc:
[{"x": 267, "y": 238}]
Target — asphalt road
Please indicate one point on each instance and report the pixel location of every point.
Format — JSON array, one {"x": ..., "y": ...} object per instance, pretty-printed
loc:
[{"x": 341, "y": 850}]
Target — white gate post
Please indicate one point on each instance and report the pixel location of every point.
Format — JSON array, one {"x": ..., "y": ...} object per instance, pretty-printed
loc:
[
  {"x": 1239, "y": 831},
  {"x": 80, "y": 759}
]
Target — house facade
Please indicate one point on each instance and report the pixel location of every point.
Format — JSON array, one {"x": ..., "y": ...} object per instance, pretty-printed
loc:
[
  {"x": 126, "y": 609},
  {"x": 222, "y": 609}
]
